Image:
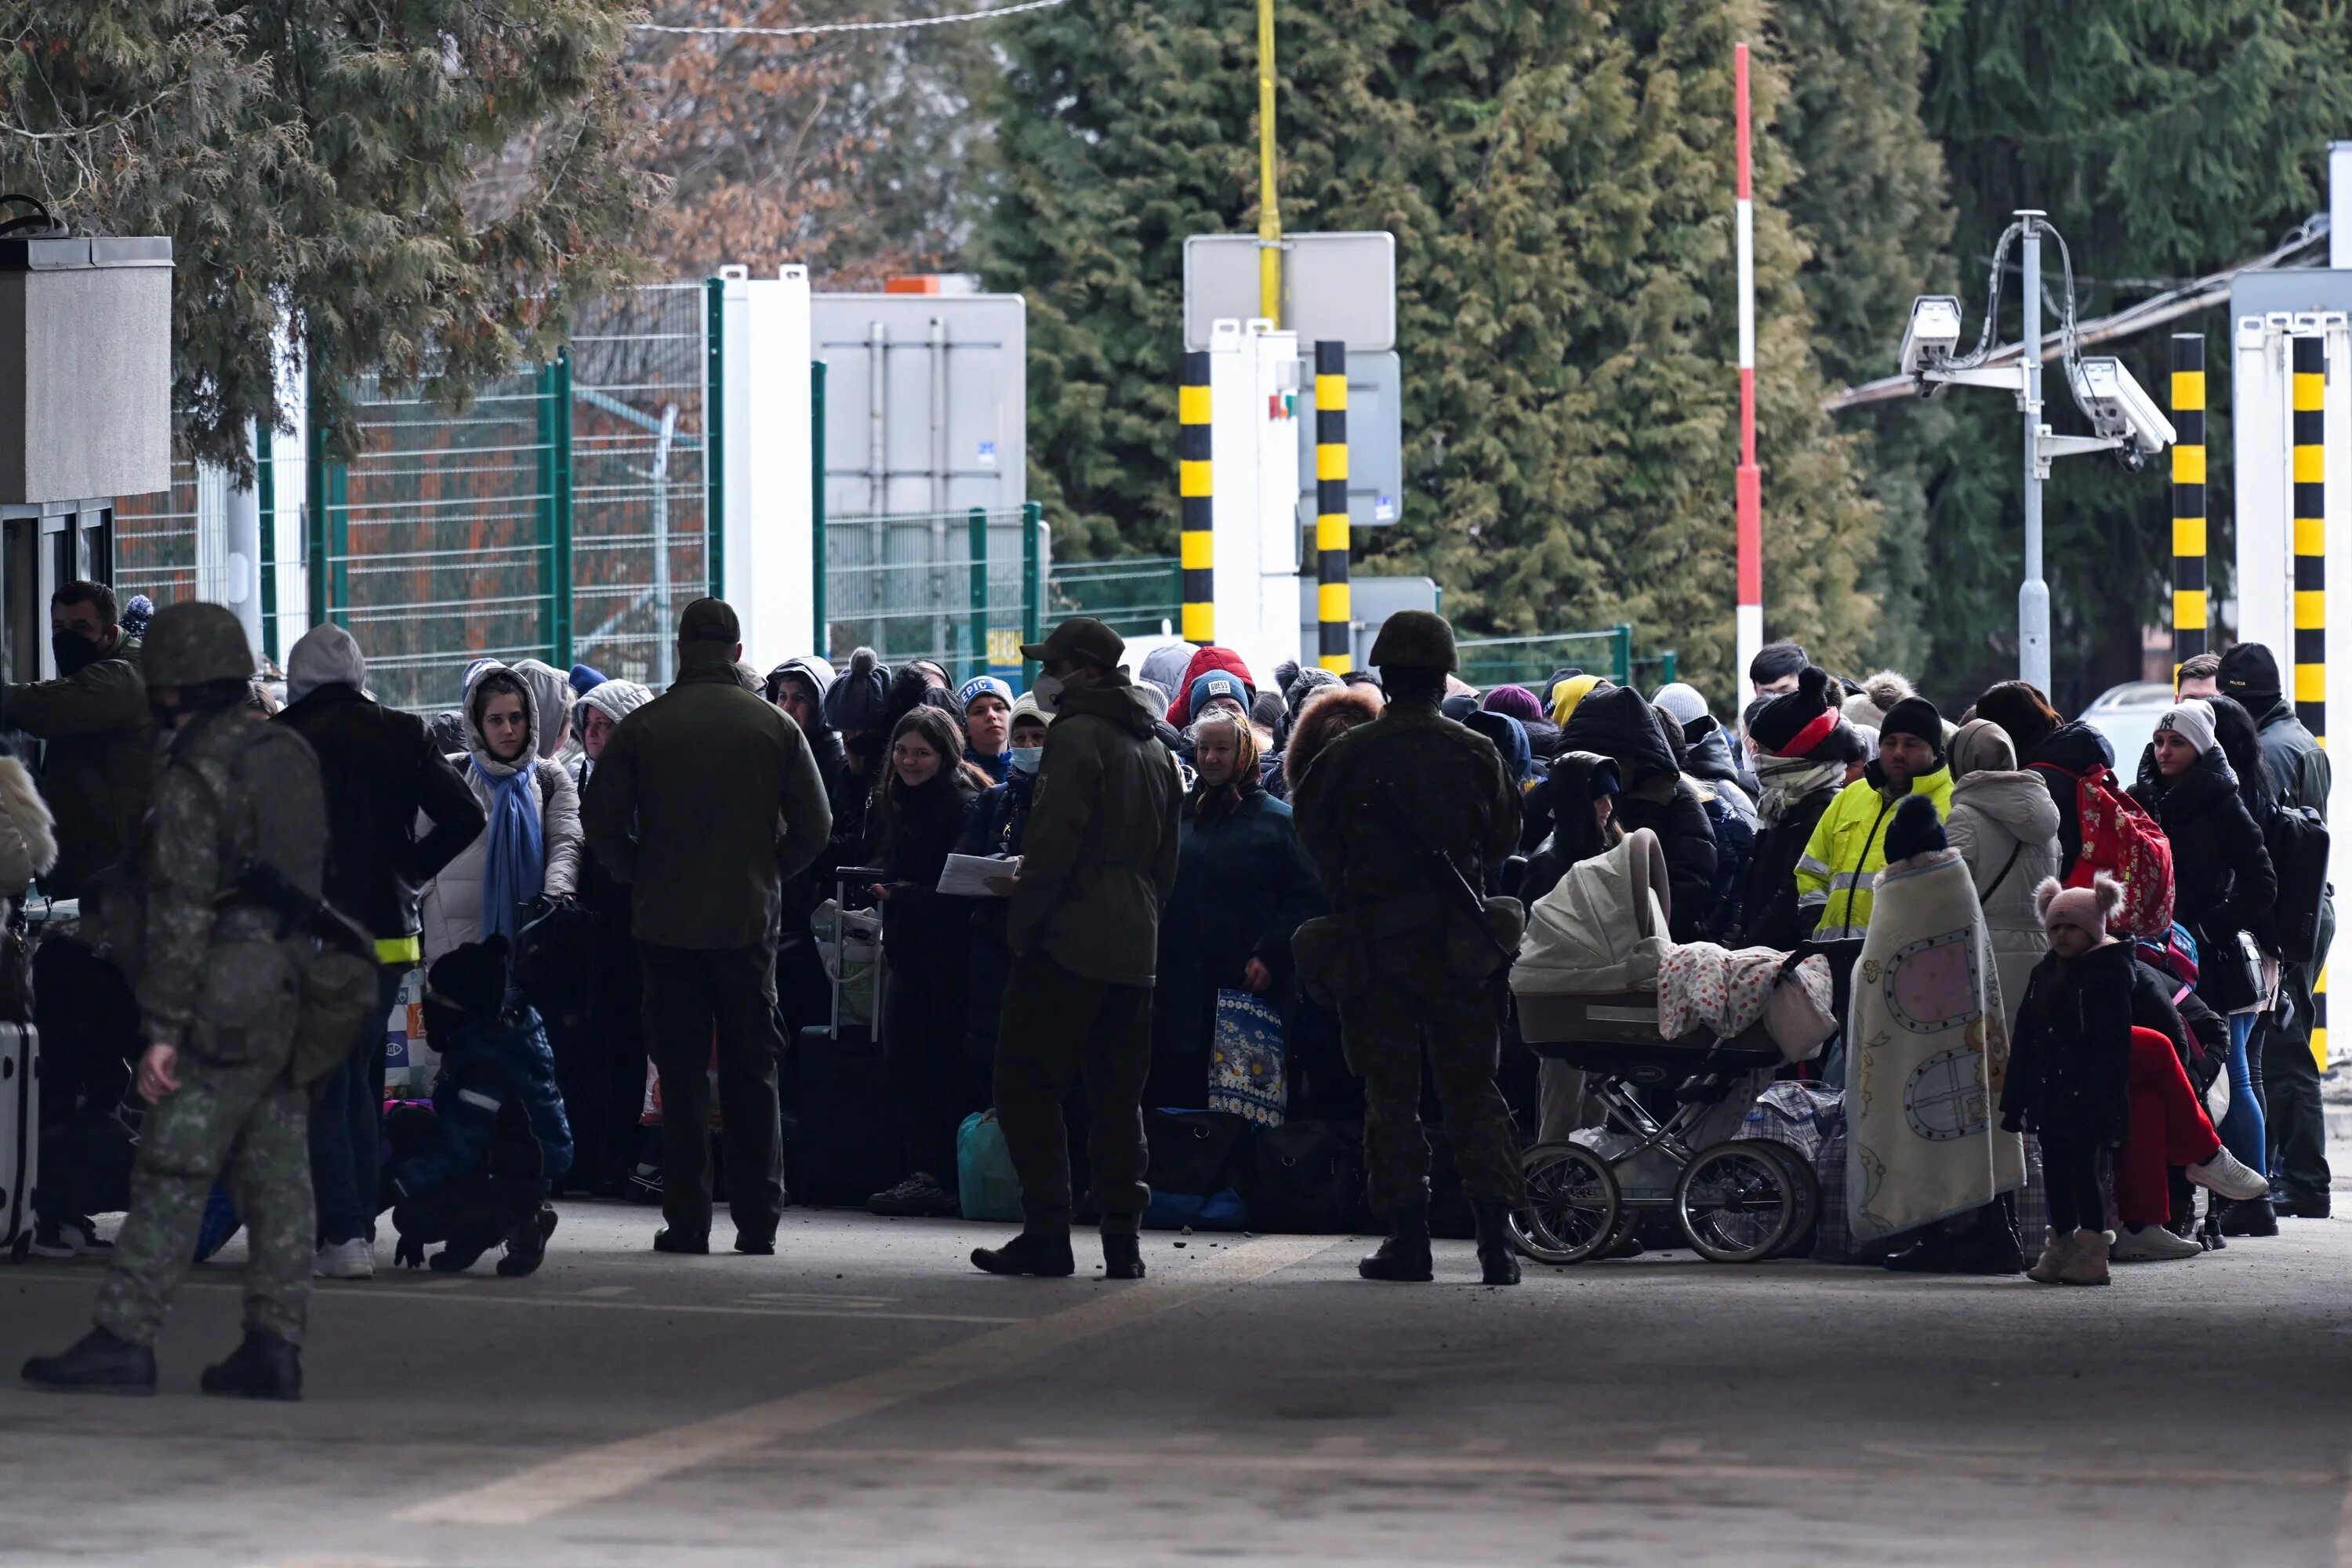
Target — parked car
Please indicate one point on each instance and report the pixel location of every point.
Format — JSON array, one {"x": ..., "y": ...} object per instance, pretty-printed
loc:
[{"x": 2126, "y": 716}]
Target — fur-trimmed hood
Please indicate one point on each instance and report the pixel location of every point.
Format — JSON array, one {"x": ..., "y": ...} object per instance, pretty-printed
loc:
[{"x": 1330, "y": 712}]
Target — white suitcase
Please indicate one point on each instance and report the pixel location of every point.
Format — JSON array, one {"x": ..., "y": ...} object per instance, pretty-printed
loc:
[{"x": 20, "y": 1135}]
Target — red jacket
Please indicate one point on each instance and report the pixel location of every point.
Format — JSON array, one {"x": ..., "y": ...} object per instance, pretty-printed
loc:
[{"x": 1180, "y": 705}]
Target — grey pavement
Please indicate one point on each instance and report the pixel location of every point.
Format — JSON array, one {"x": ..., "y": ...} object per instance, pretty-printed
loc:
[{"x": 866, "y": 1397}]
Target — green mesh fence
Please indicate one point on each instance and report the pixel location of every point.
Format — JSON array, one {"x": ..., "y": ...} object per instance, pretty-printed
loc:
[
  {"x": 957, "y": 587},
  {"x": 155, "y": 540},
  {"x": 1134, "y": 595}
]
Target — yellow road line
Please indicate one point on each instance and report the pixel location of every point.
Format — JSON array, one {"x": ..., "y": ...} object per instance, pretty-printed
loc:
[{"x": 593, "y": 1475}]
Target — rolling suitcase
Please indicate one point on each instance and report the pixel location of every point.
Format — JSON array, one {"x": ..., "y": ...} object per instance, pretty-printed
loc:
[
  {"x": 845, "y": 1143},
  {"x": 20, "y": 1135}
]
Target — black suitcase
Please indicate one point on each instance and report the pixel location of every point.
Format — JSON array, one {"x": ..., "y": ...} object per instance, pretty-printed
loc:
[{"x": 844, "y": 1146}]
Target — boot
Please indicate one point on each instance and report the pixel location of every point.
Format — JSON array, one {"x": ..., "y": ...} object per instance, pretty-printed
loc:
[
  {"x": 264, "y": 1367},
  {"x": 1122, "y": 1257},
  {"x": 2087, "y": 1261},
  {"x": 686, "y": 1241},
  {"x": 1405, "y": 1256},
  {"x": 2056, "y": 1250},
  {"x": 1042, "y": 1253},
  {"x": 101, "y": 1362},
  {"x": 527, "y": 1246},
  {"x": 1498, "y": 1259},
  {"x": 2249, "y": 1216}
]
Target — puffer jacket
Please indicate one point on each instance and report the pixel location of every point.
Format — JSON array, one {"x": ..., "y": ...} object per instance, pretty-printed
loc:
[
  {"x": 2005, "y": 826},
  {"x": 496, "y": 1108},
  {"x": 2069, "y": 1061},
  {"x": 449, "y": 907},
  {"x": 2222, "y": 880},
  {"x": 1839, "y": 873},
  {"x": 1100, "y": 856},
  {"x": 1617, "y": 724}
]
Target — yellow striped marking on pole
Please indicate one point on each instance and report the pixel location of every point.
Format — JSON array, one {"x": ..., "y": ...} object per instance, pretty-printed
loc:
[
  {"x": 2188, "y": 606},
  {"x": 2310, "y": 367},
  {"x": 1195, "y": 486},
  {"x": 1334, "y": 605}
]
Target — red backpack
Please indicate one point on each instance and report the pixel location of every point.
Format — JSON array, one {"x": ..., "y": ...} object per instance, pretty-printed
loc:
[{"x": 2122, "y": 839}]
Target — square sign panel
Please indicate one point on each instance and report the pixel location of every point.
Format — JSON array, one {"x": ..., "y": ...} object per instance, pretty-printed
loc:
[
  {"x": 1339, "y": 286},
  {"x": 1375, "y": 439}
]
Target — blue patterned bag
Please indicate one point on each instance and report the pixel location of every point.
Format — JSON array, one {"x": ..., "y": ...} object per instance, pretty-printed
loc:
[{"x": 1246, "y": 1066}]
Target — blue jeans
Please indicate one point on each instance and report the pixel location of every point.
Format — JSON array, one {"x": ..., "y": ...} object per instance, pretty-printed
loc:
[
  {"x": 2242, "y": 1133},
  {"x": 346, "y": 1117}
]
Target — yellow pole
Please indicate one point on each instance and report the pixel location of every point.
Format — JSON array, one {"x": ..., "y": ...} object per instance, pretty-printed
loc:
[{"x": 1269, "y": 207}]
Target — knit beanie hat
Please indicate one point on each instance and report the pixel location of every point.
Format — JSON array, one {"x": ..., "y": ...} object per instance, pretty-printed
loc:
[
  {"x": 1459, "y": 706},
  {"x": 1305, "y": 684},
  {"x": 471, "y": 979},
  {"x": 856, "y": 700},
  {"x": 1915, "y": 716},
  {"x": 586, "y": 678},
  {"x": 1570, "y": 692},
  {"x": 2088, "y": 910},
  {"x": 326, "y": 654},
  {"x": 2250, "y": 673},
  {"x": 981, "y": 686},
  {"x": 1880, "y": 694},
  {"x": 1681, "y": 700},
  {"x": 2192, "y": 720},
  {"x": 1516, "y": 701},
  {"x": 1212, "y": 685},
  {"x": 1915, "y": 830},
  {"x": 1793, "y": 723}
]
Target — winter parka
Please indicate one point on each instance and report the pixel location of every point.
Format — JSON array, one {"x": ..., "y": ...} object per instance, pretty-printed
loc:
[
  {"x": 98, "y": 760},
  {"x": 449, "y": 907},
  {"x": 2222, "y": 880},
  {"x": 2005, "y": 826},
  {"x": 2068, "y": 1062},
  {"x": 496, "y": 1108},
  {"x": 1243, "y": 886}
]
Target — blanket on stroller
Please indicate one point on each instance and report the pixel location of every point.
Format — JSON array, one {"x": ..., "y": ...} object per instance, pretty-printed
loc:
[{"x": 1926, "y": 1047}]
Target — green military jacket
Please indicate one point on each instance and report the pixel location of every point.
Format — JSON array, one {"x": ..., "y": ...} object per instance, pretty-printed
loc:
[{"x": 96, "y": 760}]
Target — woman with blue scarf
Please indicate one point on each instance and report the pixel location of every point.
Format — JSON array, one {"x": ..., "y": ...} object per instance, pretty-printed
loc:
[{"x": 531, "y": 848}]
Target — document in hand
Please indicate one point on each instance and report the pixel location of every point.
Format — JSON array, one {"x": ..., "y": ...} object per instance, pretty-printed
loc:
[{"x": 967, "y": 876}]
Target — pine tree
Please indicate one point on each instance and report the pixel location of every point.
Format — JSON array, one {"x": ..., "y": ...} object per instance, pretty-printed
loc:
[
  {"x": 1558, "y": 180},
  {"x": 426, "y": 190}
]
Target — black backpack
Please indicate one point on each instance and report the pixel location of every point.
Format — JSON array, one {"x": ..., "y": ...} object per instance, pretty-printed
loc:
[{"x": 2296, "y": 836}]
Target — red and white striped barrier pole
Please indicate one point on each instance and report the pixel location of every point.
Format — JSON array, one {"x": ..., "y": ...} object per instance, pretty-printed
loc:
[{"x": 1750, "y": 492}]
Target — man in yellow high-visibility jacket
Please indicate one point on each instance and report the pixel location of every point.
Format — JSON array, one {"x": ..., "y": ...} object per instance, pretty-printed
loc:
[{"x": 1839, "y": 872}]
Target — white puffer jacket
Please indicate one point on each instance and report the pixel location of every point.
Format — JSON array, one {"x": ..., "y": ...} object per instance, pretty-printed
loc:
[
  {"x": 28, "y": 845},
  {"x": 450, "y": 906},
  {"x": 1995, "y": 814}
]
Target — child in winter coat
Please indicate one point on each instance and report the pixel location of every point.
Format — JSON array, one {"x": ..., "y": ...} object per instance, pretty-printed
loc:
[
  {"x": 2068, "y": 1071},
  {"x": 474, "y": 1171}
]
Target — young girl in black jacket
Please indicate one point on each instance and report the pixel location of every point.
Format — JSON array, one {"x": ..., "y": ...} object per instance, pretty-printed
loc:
[{"x": 918, "y": 814}]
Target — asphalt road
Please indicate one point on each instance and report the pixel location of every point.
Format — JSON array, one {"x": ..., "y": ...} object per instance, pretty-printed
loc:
[{"x": 864, "y": 1397}]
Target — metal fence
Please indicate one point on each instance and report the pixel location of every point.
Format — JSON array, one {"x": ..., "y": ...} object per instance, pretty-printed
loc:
[
  {"x": 962, "y": 588},
  {"x": 156, "y": 539},
  {"x": 1134, "y": 595}
]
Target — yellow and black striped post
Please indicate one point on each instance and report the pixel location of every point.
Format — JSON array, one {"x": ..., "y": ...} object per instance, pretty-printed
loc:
[
  {"x": 2310, "y": 375},
  {"x": 1333, "y": 612},
  {"x": 1197, "y": 543},
  {"x": 2188, "y": 497}
]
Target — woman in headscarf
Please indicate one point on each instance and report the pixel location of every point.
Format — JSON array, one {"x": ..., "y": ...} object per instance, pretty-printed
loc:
[
  {"x": 2005, "y": 826},
  {"x": 531, "y": 848}
]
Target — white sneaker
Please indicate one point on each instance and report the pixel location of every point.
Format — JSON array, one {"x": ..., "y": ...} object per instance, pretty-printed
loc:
[
  {"x": 2151, "y": 1244},
  {"x": 2229, "y": 1177},
  {"x": 353, "y": 1260}
]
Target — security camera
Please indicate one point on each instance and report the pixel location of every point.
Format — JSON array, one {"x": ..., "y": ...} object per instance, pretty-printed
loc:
[
  {"x": 1933, "y": 333},
  {"x": 2119, "y": 408}
]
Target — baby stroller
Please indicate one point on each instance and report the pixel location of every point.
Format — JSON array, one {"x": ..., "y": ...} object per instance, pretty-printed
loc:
[{"x": 1585, "y": 988}]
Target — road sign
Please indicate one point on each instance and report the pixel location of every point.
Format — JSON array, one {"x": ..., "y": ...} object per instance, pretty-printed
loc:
[
  {"x": 1375, "y": 440},
  {"x": 1339, "y": 286}
]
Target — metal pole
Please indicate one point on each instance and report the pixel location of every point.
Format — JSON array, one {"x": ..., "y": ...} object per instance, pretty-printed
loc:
[
  {"x": 2308, "y": 366},
  {"x": 1747, "y": 487},
  {"x": 1269, "y": 205},
  {"x": 1196, "y": 543},
  {"x": 818, "y": 583},
  {"x": 1032, "y": 524},
  {"x": 938, "y": 459},
  {"x": 665, "y": 617},
  {"x": 2033, "y": 597},
  {"x": 1333, "y": 611},
  {"x": 2189, "y": 616},
  {"x": 976, "y": 656},
  {"x": 560, "y": 386},
  {"x": 714, "y": 444},
  {"x": 265, "y": 484}
]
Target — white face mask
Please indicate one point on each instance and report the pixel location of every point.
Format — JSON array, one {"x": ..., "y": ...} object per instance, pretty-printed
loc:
[
  {"x": 1048, "y": 693},
  {"x": 1023, "y": 759}
]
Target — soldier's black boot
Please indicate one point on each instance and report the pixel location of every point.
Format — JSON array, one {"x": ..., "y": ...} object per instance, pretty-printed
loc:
[
  {"x": 1037, "y": 1252},
  {"x": 1498, "y": 1260},
  {"x": 1122, "y": 1257},
  {"x": 101, "y": 1362},
  {"x": 265, "y": 1367},
  {"x": 1405, "y": 1256}
]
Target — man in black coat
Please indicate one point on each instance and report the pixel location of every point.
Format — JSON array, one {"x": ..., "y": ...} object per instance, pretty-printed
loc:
[
  {"x": 1616, "y": 724},
  {"x": 380, "y": 771}
]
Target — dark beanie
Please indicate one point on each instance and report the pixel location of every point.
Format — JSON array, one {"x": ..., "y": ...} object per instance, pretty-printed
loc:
[
  {"x": 1915, "y": 830},
  {"x": 471, "y": 979},
  {"x": 2250, "y": 673},
  {"x": 1915, "y": 716},
  {"x": 1776, "y": 661},
  {"x": 1794, "y": 722}
]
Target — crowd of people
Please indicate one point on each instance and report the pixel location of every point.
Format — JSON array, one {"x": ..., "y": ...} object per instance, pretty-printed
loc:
[{"x": 594, "y": 876}]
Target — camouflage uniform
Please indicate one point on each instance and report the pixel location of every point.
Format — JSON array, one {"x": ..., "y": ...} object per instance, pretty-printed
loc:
[
  {"x": 1407, "y": 997},
  {"x": 220, "y": 982}
]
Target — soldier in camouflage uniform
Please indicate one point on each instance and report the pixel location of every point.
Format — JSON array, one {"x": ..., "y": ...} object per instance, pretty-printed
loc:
[
  {"x": 1408, "y": 967},
  {"x": 217, "y": 982}
]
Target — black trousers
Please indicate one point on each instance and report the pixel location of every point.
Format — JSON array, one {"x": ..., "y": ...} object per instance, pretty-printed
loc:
[
  {"x": 2070, "y": 1169},
  {"x": 1057, "y": 1025},
  {"x": 601, "y": 1068},
  {"x": 932, "y": 1080},
  {"x": 2296, "y": 1121},
  {"x": 700, "y": 1001}
]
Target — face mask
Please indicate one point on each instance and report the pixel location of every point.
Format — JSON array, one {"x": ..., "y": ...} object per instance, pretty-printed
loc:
[
  {"x": 1025, "y": 758},
  {"x": 74, "y": 652},
  {"x": 1048, "y": 693}
]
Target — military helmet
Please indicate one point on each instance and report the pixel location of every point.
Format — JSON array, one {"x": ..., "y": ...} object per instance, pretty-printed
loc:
[
  {"x": 188, "y": 644},
  {"x": 1415, "y": 639}
]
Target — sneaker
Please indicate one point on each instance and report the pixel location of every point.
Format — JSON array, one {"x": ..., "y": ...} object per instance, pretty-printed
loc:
[
  {"x": 2151, "y": 1244},
  {"x": 919, "y": 1196},
  {"x": 353, "y": 1260},
  {"x": 76, "y": 1237},
  {"x": 2227, "y": 1174},
  {"x": 2085, "y": 1262}
]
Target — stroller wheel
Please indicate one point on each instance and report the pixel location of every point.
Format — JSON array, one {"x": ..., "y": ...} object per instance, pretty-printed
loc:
[
  {"x": 1737, "y": 1203},
  {"x": 1808, "y": 1190},
  {"x": 1572, "y": 1206}
]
